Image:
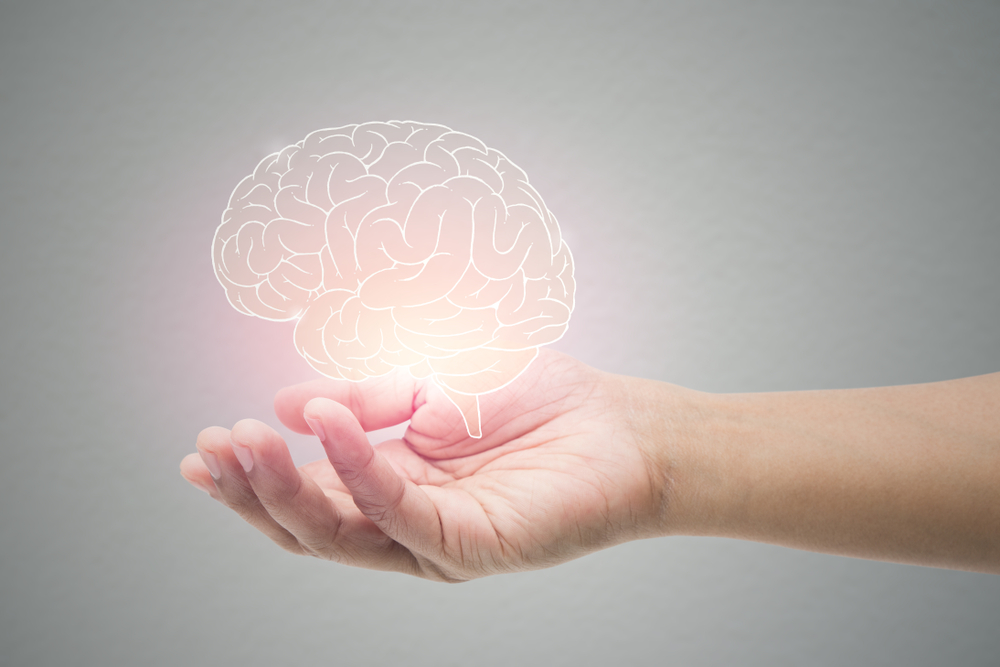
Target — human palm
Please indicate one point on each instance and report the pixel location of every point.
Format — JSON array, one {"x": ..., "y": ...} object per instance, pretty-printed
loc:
[{"x": 558, "y": 473}]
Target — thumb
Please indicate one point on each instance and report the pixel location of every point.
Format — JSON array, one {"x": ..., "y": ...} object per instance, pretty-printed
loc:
[{"x": 400, "y": 508}]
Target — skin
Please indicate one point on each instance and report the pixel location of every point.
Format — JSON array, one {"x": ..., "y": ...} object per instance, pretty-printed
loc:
[{"x": 573, "y": 460}]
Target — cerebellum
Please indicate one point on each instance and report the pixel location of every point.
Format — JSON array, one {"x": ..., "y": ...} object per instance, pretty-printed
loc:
[{"x": 400, "y": 245}]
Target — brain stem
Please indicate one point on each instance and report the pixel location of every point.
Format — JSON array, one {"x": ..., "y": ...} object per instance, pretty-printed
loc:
[{"x": 469, "y": 407}]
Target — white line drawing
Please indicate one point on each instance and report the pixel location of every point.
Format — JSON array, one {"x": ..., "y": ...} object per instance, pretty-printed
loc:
[{"x": 400, "y": 245}]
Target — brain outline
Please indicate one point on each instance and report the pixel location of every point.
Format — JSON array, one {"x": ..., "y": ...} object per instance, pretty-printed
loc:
[{"x": 399, "y": 245}]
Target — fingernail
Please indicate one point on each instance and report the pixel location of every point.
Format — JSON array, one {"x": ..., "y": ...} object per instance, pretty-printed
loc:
[
  {"x": 317, "y": 427},
  {"x": 212, "y": 463},
  {"x": 243, "y": 455}
]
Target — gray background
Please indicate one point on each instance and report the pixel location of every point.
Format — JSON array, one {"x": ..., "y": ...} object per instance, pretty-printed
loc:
[{"x": 759, "y": 196}]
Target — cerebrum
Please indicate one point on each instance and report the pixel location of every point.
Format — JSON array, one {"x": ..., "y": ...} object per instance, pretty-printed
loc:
[{"x": 399, "y": 245}]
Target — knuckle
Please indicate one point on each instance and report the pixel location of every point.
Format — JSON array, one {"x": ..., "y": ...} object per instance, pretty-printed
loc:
[
  {"x": 350, "y": 475},
  {"x": 384, "y": 514},
  {"x": 435, "y": 572},
  {"x": 246, "y": 506},
  {"x": 322, "y": 546},
  {"x": 321, "y": 539},
  {"x": 290, "y": 544},
  {"x": 279, "y": 491}
]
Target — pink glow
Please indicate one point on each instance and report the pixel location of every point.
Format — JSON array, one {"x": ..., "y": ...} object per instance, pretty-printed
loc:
[{"x": 400, "y": 245}]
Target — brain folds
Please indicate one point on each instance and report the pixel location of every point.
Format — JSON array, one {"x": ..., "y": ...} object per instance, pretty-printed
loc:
[{"x": 399, "y": 245}]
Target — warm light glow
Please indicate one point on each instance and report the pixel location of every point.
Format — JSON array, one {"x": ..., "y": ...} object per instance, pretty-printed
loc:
[{"x": 400, "y": 245}]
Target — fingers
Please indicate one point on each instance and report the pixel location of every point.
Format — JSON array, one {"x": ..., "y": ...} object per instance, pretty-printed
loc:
[
  {"x": 220, "y": 468},
  {"x": 292, "y": 500},
  {"x": 193, "y": 470},
  {"x": 258, "y": 480},
  {"x": 400, "y": 508},
  {"x": 376, "y": 403}
]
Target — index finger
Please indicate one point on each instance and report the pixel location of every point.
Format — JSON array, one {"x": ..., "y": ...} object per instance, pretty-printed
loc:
[{"x": 376, "y": 402}]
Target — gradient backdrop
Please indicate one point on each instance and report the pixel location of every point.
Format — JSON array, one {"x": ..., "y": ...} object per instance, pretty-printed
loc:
[{"x": 759, "y": 196}]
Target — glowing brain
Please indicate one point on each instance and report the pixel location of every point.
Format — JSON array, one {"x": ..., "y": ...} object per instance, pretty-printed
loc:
[{"x": 399, "y": 245}]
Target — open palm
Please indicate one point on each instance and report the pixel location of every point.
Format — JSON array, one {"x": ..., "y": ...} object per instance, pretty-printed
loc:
[{"x": 558, "y": 473}]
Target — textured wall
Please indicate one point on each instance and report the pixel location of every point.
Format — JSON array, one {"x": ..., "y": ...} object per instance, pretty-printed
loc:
[{"x": 758, "y": 196}]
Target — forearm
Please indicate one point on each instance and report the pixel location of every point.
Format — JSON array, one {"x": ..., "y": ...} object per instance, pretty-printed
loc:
[{"x": 907, "y": 474}]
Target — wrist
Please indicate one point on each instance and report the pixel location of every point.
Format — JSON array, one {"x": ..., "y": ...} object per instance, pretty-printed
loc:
[
  {"x": 903, "y": 474},
  {"x": 680, "y": 433}
]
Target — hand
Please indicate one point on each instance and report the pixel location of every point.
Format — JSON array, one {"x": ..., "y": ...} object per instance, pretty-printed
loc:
[{"x": 559, "y": 472}]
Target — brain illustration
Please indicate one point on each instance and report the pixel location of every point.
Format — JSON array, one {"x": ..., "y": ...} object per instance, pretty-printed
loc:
[{"x": 399, "y": 245}]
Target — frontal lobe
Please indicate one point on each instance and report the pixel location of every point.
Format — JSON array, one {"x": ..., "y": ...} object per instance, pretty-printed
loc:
[{"x": 399, "y": 244}]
